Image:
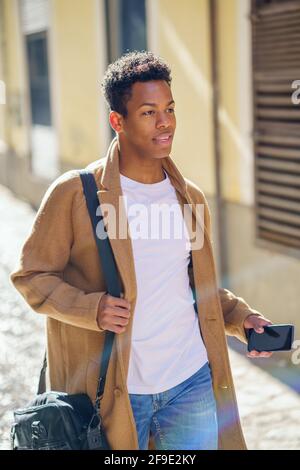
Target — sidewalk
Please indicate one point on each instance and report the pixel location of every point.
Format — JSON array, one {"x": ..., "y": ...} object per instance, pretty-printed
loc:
[{"x": 269, "y": 410}]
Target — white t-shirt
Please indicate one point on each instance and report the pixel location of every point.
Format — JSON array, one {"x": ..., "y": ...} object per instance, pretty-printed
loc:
[{"x": 167, "y": 347}]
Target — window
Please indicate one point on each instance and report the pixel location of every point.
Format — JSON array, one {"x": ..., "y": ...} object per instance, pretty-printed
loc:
[
  {"x": 276, "y": 65},
  {"x": 35, "y": 25},
  {"x": 37, "y": 59},
  {"x": 126, "y": 26}
]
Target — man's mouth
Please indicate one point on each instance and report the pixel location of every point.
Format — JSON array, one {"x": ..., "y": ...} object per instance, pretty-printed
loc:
[{"x": 164, "y": 139}]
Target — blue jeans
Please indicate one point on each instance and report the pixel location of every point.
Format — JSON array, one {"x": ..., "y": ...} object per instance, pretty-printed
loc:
[{"x": 183, "y": 417}]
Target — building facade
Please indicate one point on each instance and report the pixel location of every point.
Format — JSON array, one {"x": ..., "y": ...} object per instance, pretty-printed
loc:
[{"x": 234, "y": 65}]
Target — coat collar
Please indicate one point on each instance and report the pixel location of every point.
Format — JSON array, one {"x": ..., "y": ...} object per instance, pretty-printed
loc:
[{"x": 110, "y": 178}]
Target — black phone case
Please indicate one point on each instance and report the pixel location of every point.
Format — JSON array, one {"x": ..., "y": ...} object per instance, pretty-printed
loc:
[{"x": 274, "y": 338}]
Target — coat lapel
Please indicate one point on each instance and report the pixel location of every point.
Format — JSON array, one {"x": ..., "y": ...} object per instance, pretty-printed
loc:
[
  {"x": 203, "y": 272},
  {"x": 111, "y": 194}
]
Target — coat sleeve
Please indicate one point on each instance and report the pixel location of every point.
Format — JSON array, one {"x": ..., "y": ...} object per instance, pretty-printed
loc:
[
  {"x": 235, "y": 309},
  {"x": 44, "y": 255}
]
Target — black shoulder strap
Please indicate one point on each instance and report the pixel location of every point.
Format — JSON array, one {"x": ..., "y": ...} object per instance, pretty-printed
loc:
[
  {"x": 103, "y": 244},
  {"x": 108, "y": 266},
  {"x": 107, "y": 260}
]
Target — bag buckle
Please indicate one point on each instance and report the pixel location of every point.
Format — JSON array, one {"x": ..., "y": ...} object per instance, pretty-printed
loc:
[
  {"x": 38, "y": 431},
  {"x": 94, "y": 437}
]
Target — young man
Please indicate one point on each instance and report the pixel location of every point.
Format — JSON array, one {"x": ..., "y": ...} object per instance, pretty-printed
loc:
[{"x": 169, "y": 383}]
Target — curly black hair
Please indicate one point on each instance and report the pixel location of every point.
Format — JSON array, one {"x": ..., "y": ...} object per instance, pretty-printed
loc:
[{"x": 132, "y": 67}]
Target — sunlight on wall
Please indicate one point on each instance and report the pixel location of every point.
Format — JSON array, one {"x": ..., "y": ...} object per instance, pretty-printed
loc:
[{"x": 185, "y": 44}]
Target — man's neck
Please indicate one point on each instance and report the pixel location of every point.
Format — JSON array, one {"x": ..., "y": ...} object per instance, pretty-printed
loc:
[{"x": 146, "y": 171}]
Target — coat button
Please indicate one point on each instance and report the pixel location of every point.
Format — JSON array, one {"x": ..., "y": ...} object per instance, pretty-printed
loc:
[{"x": 117, "y": 392}]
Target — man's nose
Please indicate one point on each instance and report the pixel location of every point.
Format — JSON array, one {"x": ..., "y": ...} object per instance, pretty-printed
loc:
[{"x": 163, "y": 120}]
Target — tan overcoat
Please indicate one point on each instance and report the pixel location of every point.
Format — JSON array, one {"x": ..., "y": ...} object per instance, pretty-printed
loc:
[{"x": 59, "y": 274}]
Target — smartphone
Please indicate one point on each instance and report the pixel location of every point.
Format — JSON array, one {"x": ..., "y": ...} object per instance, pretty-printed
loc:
[{"x": 274, "y": 338}]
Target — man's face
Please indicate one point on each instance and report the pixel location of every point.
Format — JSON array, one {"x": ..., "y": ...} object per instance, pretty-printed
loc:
[{"x": 149, "y": 126}]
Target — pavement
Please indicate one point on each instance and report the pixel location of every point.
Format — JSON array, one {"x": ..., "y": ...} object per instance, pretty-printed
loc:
[{"x": 269, "y": 408}]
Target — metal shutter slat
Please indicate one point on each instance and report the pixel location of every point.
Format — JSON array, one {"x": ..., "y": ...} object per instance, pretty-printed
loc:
[
  {"x": 280, "y": 238},
  {"x": 280, "y": 228},
  {"x": 278, "y": 152},
  {"x": 272, "y": 201},
  {"x": 276, "y": 191},
  {"x": 291, "y": 114},
  {"x": 277, "y": 21},
  {"x": 266, "y": 100},
  {"x": 290, "y": 167},
  {"x": 283, "y": 140},
  {"x": 280, "y": 178},
  {"x": 280, "y": 127},
  {"x": 280, "y": 216},
  {"x": 279, "y": 8}
]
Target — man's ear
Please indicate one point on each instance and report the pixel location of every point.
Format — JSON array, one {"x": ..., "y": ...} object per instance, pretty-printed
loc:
[{"x": 116, "y": 121}]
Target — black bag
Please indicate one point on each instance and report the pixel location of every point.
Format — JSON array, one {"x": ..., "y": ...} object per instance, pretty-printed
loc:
[
  {"x": 55, "y": 420},
  {"x": 58, "y": 421}
]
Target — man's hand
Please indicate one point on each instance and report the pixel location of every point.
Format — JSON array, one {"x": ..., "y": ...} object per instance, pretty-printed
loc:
[
  {"x": 113, "y": 313},
  {"x": 256, "y": 322}
]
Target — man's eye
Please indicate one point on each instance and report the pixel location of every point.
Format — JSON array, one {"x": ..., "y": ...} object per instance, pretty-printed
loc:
[
  {"x": 147, "y": 113},
  {"x": 172, "y": 110}
]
